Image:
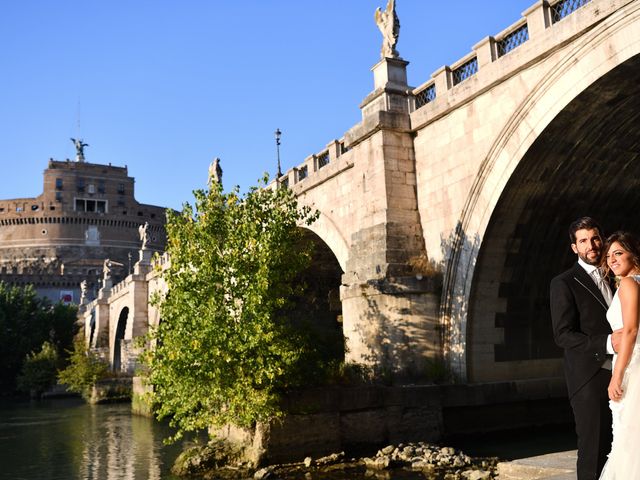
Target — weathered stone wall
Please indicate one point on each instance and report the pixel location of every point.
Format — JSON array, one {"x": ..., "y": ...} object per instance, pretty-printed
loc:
[{"x": 330, "y": 420}]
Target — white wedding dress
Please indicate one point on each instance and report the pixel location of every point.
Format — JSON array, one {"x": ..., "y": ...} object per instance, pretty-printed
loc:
[{"x": 624, "y": 458}]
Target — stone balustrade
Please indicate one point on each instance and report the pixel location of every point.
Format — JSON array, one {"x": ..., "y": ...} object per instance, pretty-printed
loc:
[
  {"x": 535, "y": 21},
  {"x": 541, "y": 16}
]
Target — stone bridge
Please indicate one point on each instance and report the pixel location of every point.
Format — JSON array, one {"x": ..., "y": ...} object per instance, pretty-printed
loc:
[
  {"x": 473, "y": 177},
  {"x": 444, "y": 212},
  {"x": 123, "y": 312}
]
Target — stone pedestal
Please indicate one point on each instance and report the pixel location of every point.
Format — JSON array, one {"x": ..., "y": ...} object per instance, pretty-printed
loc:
[
  {"x": 144, "y": 256},
  {"x": 390, "y": 73},
  {"x": 391, "y": 92},
  {"x": 105, "y": 290},
  {"x": 143, "y": 265}
]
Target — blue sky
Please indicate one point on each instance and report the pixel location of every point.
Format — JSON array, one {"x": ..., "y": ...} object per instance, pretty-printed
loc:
[{"x": 165, "y": 86}]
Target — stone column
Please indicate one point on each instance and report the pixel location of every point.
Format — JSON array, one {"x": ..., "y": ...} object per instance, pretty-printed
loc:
[
  {"x": 102, "y": 321},
  {"x": 389, "y": 299}
]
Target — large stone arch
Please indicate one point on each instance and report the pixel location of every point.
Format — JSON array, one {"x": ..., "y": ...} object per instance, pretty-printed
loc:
[{"x": 613, "y": 45}]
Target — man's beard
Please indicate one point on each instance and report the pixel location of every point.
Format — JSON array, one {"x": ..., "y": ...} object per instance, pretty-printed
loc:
[{"x": 586, "y": 260}]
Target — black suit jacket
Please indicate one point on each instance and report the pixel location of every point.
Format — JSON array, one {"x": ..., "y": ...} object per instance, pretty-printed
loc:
[{"x": 580, "y": 327}]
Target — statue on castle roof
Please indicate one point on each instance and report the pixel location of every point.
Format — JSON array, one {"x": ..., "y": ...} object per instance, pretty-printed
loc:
[
  {"x": 215, "y": 172},
  {"x": 389, "y": 25},
  {"x": 79, "y": 149}
]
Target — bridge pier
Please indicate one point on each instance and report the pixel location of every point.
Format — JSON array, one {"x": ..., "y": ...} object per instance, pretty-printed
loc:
[
  {"x": 389, "y": 293},
  {"x": 392, "y": 327}
]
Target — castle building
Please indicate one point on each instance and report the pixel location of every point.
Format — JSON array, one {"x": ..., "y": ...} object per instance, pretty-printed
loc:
[{"x": 86, "y": 214}]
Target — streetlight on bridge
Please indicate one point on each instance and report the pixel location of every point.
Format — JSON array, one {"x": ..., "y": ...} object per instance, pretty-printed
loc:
[{"x": 278, "y": 133}]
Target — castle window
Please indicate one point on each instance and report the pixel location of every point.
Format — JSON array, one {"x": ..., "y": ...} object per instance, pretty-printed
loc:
[
  {"x": 34, "y": 208},
  {"x": 90, "y": 206},
  {"x": 58, "y": 184},
  {"x": 18, "y": 208},
  {"x": 1, "y": 209},
  {"x": 121, "y": 188},
  {"x": 100, "y": 186},
  {"x": 80, "y": 184},
  {"x": 58, "y": 196},
  {"x": 91, "y": 188}
]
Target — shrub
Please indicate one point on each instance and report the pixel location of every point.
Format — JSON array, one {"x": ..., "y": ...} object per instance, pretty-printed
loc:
[
  {"x": 84, "y": 370},
  {"x": 39, "y": 370},
  {"x": 225, "y": 349}
]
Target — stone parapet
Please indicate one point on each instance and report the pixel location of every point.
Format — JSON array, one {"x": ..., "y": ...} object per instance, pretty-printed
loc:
[{"x": 544, "y": 37}]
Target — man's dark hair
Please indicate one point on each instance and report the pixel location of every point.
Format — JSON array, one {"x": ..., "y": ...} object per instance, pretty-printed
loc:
[{"x": 583, "y": 223}]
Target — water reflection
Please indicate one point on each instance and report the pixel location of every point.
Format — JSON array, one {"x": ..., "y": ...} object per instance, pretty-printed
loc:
[{"x": 69, "y": 440}]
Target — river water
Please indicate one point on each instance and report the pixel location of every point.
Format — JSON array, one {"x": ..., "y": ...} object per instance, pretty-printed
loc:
[{"x": 70, "y": 440}]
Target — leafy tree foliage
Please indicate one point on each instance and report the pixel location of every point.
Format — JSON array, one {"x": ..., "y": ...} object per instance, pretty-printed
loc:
[
  {"x": 84, "y": 370},
  {"x": 26, "y": 322},
  {"x": 225, "y": 348},
  {"x": 39, "y": 370}
]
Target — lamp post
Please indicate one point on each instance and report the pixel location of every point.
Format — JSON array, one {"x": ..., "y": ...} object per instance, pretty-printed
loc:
[{"x": 278, "y": 133}]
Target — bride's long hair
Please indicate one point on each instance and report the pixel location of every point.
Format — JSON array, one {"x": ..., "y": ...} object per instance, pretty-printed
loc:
[{"x": 629, "y": 243}]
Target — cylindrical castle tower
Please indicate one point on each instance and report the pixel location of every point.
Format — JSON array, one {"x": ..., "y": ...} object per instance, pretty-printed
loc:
[{"x": 87, "y": 213}]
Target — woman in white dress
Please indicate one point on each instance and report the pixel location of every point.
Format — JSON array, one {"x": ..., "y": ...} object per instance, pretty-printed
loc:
[{"x": 623, "y": 260}]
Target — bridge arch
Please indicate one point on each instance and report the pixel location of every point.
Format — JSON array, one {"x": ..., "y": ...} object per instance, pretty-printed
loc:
[
  {"x": 526, "y": 191},
  {"x": 330, "y": 234},
  {"x": 318, "y": 311}
]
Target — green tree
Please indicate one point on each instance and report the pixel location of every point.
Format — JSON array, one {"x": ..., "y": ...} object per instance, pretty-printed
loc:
[
  {"x": 39, "y": 370},
  {"x": 84, "y": 370},
  {"x": 225, "y": 349},
  {"x": 26, "y": 322}
]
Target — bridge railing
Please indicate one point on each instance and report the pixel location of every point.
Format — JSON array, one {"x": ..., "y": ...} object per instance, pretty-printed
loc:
[
  {"x": 313, "y": 164},
  {"x": 536, "y": 19}
]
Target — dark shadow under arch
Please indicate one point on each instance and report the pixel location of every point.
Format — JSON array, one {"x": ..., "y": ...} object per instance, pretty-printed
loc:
[
  {"x": 117, "y": 344},
  {"x": 319, "y": 309},
  {"x": 586, "y": 162}
]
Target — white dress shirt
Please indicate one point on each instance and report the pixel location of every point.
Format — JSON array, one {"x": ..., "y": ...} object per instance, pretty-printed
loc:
[{"x": 603, "y": 286}]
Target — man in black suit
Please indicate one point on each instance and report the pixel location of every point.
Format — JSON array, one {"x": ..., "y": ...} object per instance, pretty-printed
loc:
[{"x": 579, "y": 301}]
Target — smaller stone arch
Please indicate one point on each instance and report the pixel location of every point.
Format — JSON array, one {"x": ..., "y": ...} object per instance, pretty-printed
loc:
[
  {"x": 319, "y": 309},
  {"x": 329, "y": 232},
  {"x": 92, "y": 328},
  {"x": 118, "y": 341}
]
